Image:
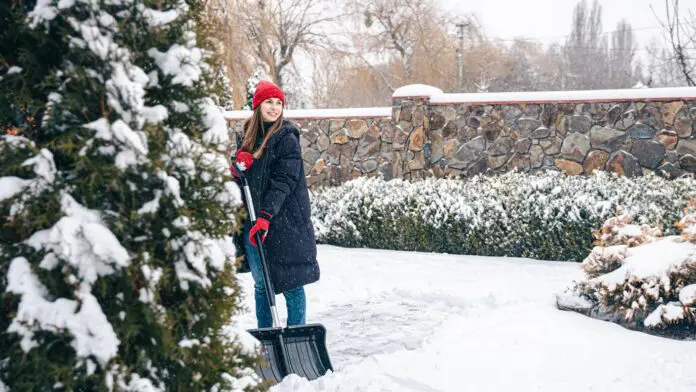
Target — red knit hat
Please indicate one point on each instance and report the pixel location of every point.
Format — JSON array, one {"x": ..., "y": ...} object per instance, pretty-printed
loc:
[{"x": 265, "y": 90}]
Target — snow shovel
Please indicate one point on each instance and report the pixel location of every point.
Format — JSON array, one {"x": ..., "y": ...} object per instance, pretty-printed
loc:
[{"x": 297, "y": 350}]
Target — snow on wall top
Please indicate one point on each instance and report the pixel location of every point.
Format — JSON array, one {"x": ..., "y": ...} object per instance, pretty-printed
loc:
[
  {"x": 437, "y": 97},
  {"x": 319, "y": 113},
  {"x": 677, "y": 93},
  {"x": 416, "y": 90}
]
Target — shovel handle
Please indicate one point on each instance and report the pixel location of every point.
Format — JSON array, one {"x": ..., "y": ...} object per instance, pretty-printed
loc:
[{"x": 270, "y": 294}]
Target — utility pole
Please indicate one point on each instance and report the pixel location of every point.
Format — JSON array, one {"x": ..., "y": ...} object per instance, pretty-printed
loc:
[{"x": 460, "y": 54}]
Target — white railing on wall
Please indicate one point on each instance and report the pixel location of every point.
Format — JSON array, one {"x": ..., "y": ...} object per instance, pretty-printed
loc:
[
  {"x": 437, "y": 97},
  {"x": 626, "y": 95}
]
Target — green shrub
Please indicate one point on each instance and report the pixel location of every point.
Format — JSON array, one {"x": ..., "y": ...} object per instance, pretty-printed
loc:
[{"x": 545, "y": 215}]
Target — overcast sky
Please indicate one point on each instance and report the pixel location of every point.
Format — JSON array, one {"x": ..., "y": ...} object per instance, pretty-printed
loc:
[{"x": 549, "y": 19}]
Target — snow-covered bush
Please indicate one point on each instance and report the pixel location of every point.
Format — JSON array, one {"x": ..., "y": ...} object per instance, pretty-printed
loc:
[
  {"x": 603, "y": 260},
  {"x": 116, "y": 203},
  {"x": 614, "y": 238},
  {"x": 546, "y": 215},
  {"x": 644, "y": 284},
  {"x": 619, "y": 230},
  {"x": 688, "y": 223}
]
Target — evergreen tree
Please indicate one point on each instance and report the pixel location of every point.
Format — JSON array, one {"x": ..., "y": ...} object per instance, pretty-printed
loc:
[
  {"x": 222, "y": 88},
  {"x": 116, "y": 266},
  {"x": 252, "y": 82}
]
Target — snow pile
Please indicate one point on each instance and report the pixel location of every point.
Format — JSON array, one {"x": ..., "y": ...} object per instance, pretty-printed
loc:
[
  {"x": 640, "y": 278},
  {"x": 545, "y": 215},
  {"x": 416, "y": 90},
  {"x": 453, "y": 323}
]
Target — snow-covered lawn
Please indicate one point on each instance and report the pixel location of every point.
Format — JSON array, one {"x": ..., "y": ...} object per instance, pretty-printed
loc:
[{"x": 406, "y": 321}]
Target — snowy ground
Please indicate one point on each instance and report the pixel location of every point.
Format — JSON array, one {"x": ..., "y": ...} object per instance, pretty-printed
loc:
[{"x": 402, "y": 321}]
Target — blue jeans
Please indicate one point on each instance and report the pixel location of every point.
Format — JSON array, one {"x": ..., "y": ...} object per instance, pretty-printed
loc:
[{"x": 294, "y": 299}]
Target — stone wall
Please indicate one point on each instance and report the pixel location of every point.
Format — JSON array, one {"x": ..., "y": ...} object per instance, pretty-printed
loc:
[
  {"x": 625, "y": 137},
  {"x": 443, "y": 135},
  {"x": 335, "y": 150}
]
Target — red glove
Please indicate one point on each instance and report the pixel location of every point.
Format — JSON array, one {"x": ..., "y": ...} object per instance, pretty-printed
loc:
[
  {"x": 261, "y": 227},
  {"x": 244, "y": 160}
]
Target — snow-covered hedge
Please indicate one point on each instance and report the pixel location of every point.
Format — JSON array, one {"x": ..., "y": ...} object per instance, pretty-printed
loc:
[
  {"x": 638, "y": 278},
  {"x": 546, "y": 215}
]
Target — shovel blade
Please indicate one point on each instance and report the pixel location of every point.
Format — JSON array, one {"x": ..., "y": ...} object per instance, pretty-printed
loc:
[{"x": 299, "y": 350}]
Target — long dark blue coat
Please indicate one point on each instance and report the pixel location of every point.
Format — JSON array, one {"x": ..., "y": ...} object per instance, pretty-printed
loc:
[{"x": 278, "y": 186}]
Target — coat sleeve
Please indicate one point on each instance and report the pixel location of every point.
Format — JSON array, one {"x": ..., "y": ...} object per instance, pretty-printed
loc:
[{"x": 284, "y": 173}]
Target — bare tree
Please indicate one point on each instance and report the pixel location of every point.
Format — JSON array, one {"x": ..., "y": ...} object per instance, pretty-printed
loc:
[
  {"x": 269, "y": 35},
  {"x": 279, "y": 29},
  {"x": 680, "y": 31},
  {"x": 328, "y": 76},
  {"x": 231, "y": 45},
  {"x": 585, "y": 50},
  {"x": 523, "y": 67},
  {"x": 622, "y": 57},
  {"x": 552, "y": 69},
  {"x": 389, "y": 43},
  {"x": 661, "y": 71},
  {"x": 391, "y": 26},
  {"x": 486, "y": 66},
  {"x": 412, "y": 35}
]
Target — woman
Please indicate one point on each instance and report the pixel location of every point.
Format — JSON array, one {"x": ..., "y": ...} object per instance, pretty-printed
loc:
[{"x": 270, "y": 153}]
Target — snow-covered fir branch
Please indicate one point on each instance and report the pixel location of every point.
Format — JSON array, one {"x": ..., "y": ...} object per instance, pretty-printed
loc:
[{"x": 121, "y": 203}]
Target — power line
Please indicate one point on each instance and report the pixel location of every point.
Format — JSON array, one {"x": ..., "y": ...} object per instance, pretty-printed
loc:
[
  {"x": 619, "y": 49},
  {"x": 536, "y": 39}
]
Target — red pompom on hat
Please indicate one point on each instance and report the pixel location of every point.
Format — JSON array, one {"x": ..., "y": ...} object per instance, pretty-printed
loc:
[{"x": 265, "y": 90}]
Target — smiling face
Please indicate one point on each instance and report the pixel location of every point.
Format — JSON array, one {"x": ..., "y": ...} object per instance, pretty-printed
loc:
[{"x": 271, "y": 109}]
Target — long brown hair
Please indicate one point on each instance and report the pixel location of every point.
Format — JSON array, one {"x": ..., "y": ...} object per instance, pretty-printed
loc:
[{"x": 252, "y": 127}]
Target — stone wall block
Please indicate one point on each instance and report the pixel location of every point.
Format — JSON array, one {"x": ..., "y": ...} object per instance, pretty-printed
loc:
[
  {"x": 416, "y": 140},
  {"x": 688, "y": 163},
  {"x": 579, "y": 124},
  {"x": 569, "y": 167},
  {"x": 595, "y": 161},
  {"x": 340, "y": 137},
  {"x": 575, "y": 147},
  {"x": 623, "y": 163},
  {"x": 670, "y": 111},
  {"x": 356, "y": 128},
  {"x": 607, "y": 139},
  {"x": 649, "y": 153}
]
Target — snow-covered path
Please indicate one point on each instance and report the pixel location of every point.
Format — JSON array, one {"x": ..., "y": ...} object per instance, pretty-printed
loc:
[{"x": 402, "y": 321}]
